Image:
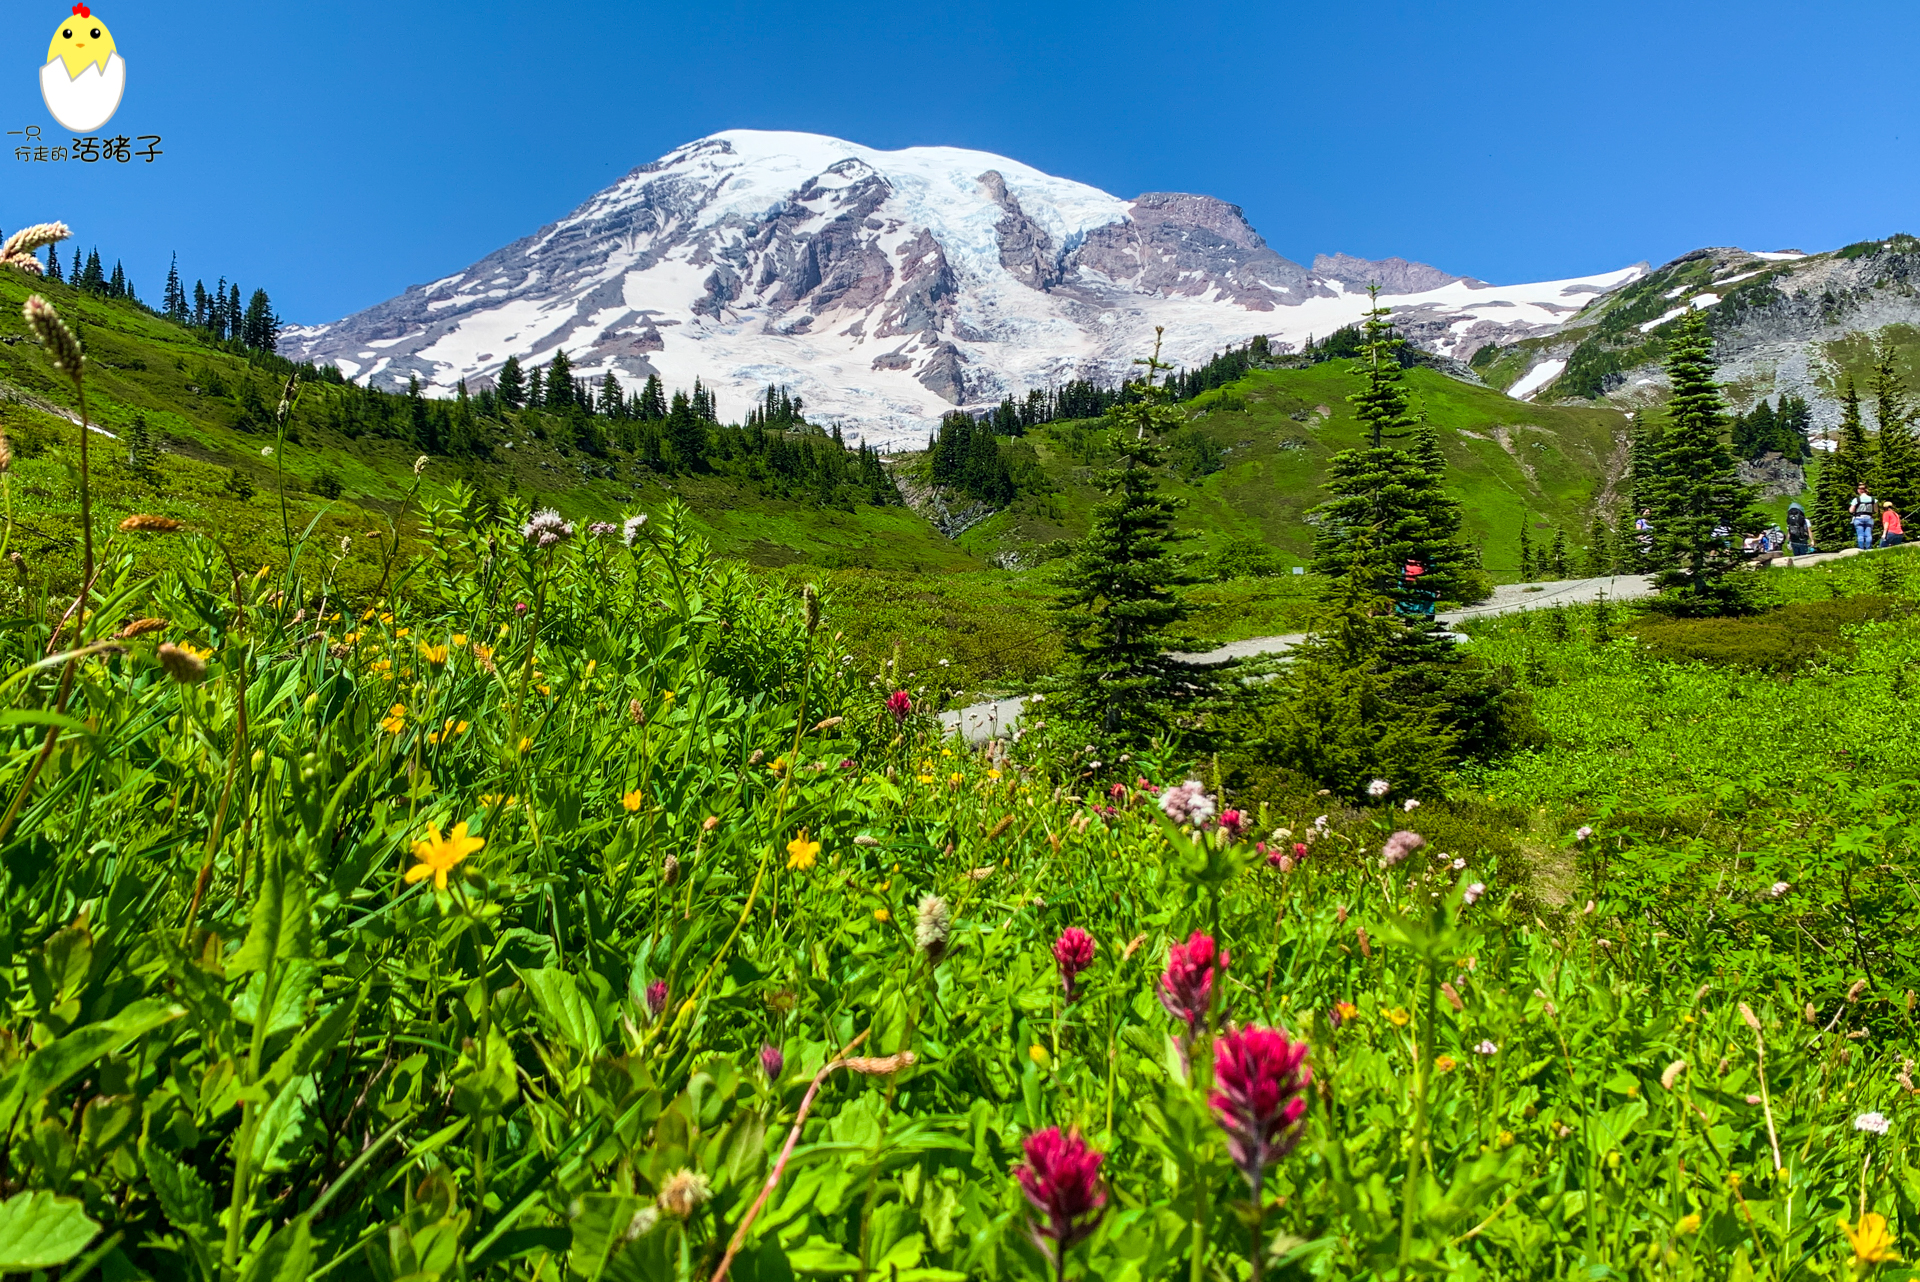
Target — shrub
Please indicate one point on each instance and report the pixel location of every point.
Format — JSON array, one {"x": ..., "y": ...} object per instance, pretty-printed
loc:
[
  {"x": 326, "y": 483},
  {"x": 1779, "y": 641}
]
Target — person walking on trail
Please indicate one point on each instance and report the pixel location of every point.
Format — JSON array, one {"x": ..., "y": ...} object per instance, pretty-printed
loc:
[
  {"x": 1891, "y": 535},
  {"x": 1799, "y": 533},
  {"x": 1862, "y": 512}
]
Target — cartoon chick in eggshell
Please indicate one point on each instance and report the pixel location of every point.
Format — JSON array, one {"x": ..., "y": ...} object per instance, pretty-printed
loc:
[{"x": 84, "y": 76}]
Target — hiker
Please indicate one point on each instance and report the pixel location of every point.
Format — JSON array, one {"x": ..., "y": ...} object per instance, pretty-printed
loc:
[
  {"x": 1799, "y": 533},
  {"x": 1891, "y": 535},
  {"x": 1861, "y": 510}
]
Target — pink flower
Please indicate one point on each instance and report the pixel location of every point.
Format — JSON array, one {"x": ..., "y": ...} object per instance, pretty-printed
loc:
[
  {"x": 1235, "y": 825},
  {"x": 1399, "y": 846},
  {"x": 603, "y": 529},
  {"x": 1186, "y": 988},
  {"x": 1118, "y": 792},
  {"x": 1074, "y": 952},
  {"x": 772, "y": 1061},
  {"x": 900, "y": 704},
  {"x": 1187, "y": 804},
  {"x": 1474, "y": 892},
  {"x": 1061, "y": 1178},
  {"x": 520, "y": 608},
  {"x": 1583, "y": 833},
  {"x": 1299, "y": 850},
  {"x": 1378, "y": 789},
  {"x": 656, "y": 997},
  {"x": 1260, "y": 1080},
  {"x": 1410, "y": 805}
]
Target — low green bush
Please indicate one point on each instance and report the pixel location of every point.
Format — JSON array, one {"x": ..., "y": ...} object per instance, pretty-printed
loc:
[{"x": 1780, "y": 640}]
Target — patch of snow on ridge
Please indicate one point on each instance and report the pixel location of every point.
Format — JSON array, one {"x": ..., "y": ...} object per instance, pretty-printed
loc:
[
  {"x": 1536, "y": 378},
  {"x": 1647, "y": 327}
]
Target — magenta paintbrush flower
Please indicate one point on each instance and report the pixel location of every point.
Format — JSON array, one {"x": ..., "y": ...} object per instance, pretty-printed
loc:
[
  {"x": 1061, "y": 1178},
  {"x": 900, "y": 704},
  {"x": 1074, "y": 952},
  {"x": 1186, "y": 987},
  {"x": 1260, "y": 1081}
]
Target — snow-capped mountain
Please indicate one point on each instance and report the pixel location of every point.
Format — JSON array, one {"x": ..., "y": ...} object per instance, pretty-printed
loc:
[{"x": 886, "y": 287}]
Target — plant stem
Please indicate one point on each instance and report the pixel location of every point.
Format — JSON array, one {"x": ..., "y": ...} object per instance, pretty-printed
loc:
[
  {"x": 86, "y": 498},
  {"x": 1423, "y": 1055}
]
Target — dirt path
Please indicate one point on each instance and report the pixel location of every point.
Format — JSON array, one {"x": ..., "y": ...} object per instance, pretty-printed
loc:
[{"x": 983, "y": 721}]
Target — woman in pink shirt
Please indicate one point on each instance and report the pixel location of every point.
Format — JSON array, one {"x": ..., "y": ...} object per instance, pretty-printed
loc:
[{"x": 1891, "y": 535}]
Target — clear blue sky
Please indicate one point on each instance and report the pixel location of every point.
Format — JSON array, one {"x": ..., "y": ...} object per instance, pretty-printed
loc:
[{"x": 337, "y": 151}]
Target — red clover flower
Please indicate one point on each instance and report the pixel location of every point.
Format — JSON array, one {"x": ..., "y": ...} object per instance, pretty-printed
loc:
[
  {"x": 1260, "y": 1081},
  {"x": 1074, "y": 952},
  {"x": 1186, "y": 988},
  {"x": 1061, "y": 1178}
]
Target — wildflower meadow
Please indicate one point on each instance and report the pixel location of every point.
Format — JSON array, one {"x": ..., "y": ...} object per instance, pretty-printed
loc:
[{"x": 577, "y": 906}]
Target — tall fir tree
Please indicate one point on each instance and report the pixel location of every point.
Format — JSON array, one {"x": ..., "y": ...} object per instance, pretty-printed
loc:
[
  {"x": 653, "y": 400},
  {"x": 559, "y": 381},
  {"x": 1699, "y": 507},
  {"x": 1388, "y": 503},
  {"x": 174, "y": 305},
  {"x": 537, "y": 388},
  {"x": 1120, "y": 592},
  {"x": 613, "y": 402},
  {"x": 686, "y": 435},
  {"x": 53, "y": 263},
  {"x": 1896, "y": 475},
  {"x": 260, "y": 328},
  {"x": 1850, "y": 462},
  {"x": 1599, "y": 559},
  {"x": 511, "y": 385},
  {"x": 1526, "y": 552}
]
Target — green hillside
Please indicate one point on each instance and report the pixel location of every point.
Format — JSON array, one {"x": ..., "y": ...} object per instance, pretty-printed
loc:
[
  {"x": 208, "y": 408},
  {"x": 1272, "y": 433}
]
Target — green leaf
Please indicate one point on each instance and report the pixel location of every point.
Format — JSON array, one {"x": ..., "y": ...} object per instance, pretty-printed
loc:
[
  {"x": 280, "y": 1123},
  {"x": 566, "y": 1008},
  {"x": 48, "y": 1068},
  {"x": 312, "y": 1045},
  {"x": 287, "y": 1256},
  {"x": 279, "y": 930},
  {"x": 818, "y": 1255},
  {"x": 40, "y": 1231},
  {"x": 183, "y": 1195}
]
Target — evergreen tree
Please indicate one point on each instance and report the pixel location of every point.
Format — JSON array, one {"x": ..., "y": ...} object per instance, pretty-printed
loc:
[
  {"x": 1119, "y": 593},
  {"x": 1599, "y": 560},
  {"x": 536, "y": 388},
  {"x": 1791, "y": 428},
  {"x": 73, "y": 276},
  {"x": 613, "y": 403},
  {"x": 235, "y": 314},
  {"x": 1389, "y": 501},
  {"x": 174, "y": 305},
  {"x": 653, "y": 402},
  {"x": 200, "y": 308},
  {"x": 117, "y": 286},
  {"x": 686, "y": 434},
  {"x": 1557, "y": 555},
  {"x": 511, "y": 386},
  {"x": 559, "y": 382},
  {"x": 217, "y": 310},
  {"x": 53, "y": 263},
  {"x": 93, "y": 277},
  {"x": 1897, "y": 476},
  {"x": 463, "y": 436},
  {"x": 1699, "y": 508},
  {"x": 1335, "y": 712},
  {"x": 1841, "y": 472},
  {"x": 1526, "y": 553},
  {"x": 260, "y": 328}
]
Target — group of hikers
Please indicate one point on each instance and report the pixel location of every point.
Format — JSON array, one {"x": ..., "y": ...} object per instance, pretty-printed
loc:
[{"x": 1864, "y": 512}]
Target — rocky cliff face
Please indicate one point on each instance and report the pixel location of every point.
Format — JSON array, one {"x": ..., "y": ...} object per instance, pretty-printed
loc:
[{"x": 887, "y": 287}]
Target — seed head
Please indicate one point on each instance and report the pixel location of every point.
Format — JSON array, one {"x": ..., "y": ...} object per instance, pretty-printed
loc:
[
  {"x": 182, "y": 662},
  {"x": 684, "y": 1193},
  {"x": 141, "y": 627},
  {"x": 1672, "y": 1073},
  {"x": 61, "y": 345},
  {"x": 6, "y": 453},
  {"x": 28, "y": 239},
  {"x": 931, "y": 922},
  {"x": 669, "y": 870},
  {"x": 810, "y": 607},
  {"x": 150, "y": 525}
]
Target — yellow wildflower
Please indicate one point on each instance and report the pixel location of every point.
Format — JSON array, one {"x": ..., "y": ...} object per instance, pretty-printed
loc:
[
  {"x": 954, "y": 780},
  {"x": 1345, "y": 1011},
  {"x": 924, "y": 778},
  {"x": 801, "y": 853},
  {"x": 352, "y": 638},
  {"x": 667, "y": 695},
  {"x": 403, "y": 634},
  {"x": 396, "y": 719},
  {"x": 458, "y": 639},
  {"x": 526, "y": 744},
  {"x": 1398, "y": 1016},
  {"x": 993, "y": 774},
  {"x": 492, "y": 800},
  {"x": 634, "y": 800},
  {"x": 481, "y": 654},
  {"x": 434, "y": 654},
  {"x": 592, "y": 664},
  {"x": 1446, "y": 1063},
  {"x": 1688, "y": 1223},
  {"x": 382, "y": 666},
  {"x": 448, "y": 731},
  {"x": 881, "y": 914},
  {"x": 779, "y": 768},
  {"x": 1038, "y": 1054},
  {"x": 1871, "y": 1240},
  {"x": 438, "y": 855}
]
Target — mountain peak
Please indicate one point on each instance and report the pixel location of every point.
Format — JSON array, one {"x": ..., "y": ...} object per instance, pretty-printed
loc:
[{"x": 883, "y": 286}]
